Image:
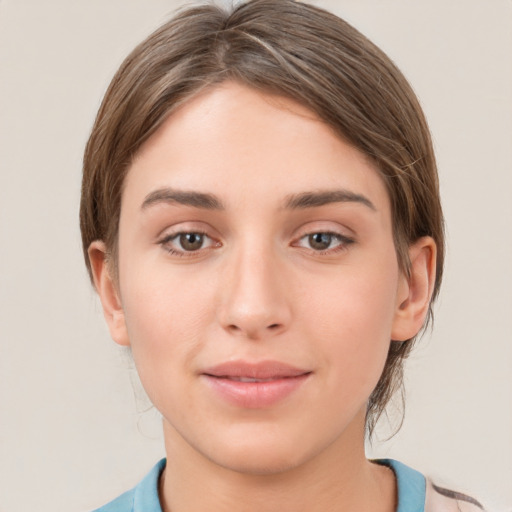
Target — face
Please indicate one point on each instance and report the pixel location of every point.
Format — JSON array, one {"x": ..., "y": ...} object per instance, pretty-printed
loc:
[{"x": 258, "y": 281}]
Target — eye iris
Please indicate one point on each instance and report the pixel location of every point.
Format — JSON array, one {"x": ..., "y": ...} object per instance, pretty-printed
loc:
[
  {"x": 320, "y": 241},
  {"x": 191, "y": 241}
]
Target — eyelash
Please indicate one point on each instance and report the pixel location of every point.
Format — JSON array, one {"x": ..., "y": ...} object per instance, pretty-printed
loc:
[
  {"x": 183, "y": 252},
  {"x": 343, "y": 240},
  {"x": 343, "y": 243}
]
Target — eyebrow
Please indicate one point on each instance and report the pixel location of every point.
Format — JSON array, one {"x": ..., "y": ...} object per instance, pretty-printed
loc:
[
  {"x": 323, "y": 197},
  {"x": 299, "y": 201},
  {"x": 184, "y": 197}
]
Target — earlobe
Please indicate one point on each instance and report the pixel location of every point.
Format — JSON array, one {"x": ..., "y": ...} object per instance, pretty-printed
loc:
[
  {"x": 414, "y": 292},
  {"x": 108, "y": 293}
]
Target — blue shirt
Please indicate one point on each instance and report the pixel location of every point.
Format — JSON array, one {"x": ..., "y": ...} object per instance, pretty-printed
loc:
[{"x": 144, "y": 497}]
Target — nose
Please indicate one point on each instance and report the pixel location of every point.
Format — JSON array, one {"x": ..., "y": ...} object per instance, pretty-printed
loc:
[{"x": 254, "y": 300}]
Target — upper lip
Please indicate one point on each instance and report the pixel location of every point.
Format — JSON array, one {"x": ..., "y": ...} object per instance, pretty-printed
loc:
[{"x": 256, "y": 370}]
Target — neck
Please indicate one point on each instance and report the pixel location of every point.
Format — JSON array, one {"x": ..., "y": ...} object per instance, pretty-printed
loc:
[{"x": 340, "y": 478}]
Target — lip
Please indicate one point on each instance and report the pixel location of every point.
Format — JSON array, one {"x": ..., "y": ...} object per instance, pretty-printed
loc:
[{"x": 254, "y": 385}]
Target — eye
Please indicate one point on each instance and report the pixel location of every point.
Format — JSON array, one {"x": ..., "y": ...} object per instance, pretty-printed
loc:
[
  {"x": 187, "y": 242},
  {"x": 324, "y": 241},
  {"x": 190, "y": 241}
]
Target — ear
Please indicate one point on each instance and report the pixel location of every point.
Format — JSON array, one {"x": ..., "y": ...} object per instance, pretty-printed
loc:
[
  {"x": 108, "y": 292},
  {"x": 415, "y": 291}
]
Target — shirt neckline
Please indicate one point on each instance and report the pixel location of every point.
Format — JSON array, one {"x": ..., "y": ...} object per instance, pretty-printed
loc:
[{"x": 411, "y": 487}]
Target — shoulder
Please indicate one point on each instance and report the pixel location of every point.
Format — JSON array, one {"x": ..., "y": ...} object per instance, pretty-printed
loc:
[
  {"x": 142, "y": 498},
  {"x": 419, "y": 494},
  {"x": 123, "y": 503},
  {"x": 439, "y": 499}
]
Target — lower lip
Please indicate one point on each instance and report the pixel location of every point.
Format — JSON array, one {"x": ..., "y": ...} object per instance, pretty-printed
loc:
[{"x": 255, "y": 395}]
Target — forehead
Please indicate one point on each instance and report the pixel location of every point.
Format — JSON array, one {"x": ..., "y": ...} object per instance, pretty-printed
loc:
[{"x": 239, "y": 143}]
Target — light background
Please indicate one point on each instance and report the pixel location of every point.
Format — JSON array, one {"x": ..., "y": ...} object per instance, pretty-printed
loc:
[{"x": 72, "y": 432}]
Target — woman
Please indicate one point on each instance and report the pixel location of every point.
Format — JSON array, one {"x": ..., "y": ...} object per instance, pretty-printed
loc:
[{"x": 261, "y": 219}]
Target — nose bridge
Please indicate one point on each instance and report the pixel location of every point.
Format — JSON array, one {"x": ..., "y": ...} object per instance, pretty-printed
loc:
[{"x": 254, "y": 301}]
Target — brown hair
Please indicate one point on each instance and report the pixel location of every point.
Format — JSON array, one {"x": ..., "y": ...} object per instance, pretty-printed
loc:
[{"x": 293, "y": 49}]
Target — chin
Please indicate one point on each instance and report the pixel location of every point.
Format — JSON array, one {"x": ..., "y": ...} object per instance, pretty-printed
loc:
[
  {"x": 260, "y": 463},
  {"x": 259, "y": 455}
]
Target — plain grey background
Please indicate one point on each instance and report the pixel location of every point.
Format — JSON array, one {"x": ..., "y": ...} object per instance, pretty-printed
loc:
[{"x": 75, "y": 429}]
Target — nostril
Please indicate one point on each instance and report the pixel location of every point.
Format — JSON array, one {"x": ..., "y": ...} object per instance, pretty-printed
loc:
[{"x": 254, "y": 330}]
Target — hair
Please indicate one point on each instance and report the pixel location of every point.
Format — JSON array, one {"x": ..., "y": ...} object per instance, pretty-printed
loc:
[{"x": 295, "y": 50}]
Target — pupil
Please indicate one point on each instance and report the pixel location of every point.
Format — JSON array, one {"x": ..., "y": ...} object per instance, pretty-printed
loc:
[
  {"x": 320, "y": 241},
  {"x": 191, "y": 241}
]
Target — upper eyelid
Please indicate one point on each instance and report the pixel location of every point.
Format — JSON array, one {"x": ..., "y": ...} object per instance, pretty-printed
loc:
[
  {"x": 175, "y": 234},
  {"x": 212, "y": 242},
  {"x": 344, "y": 239},
  {"x": 341, "y": 231},
  {"x": 186, "y": 227},
  {"x": 320, "y": 230},
  {"x": 169, "y": 244},
  {"x": 307, "y": 228}
]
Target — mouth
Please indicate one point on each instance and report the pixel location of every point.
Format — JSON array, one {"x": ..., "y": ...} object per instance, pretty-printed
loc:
[
  {"x": 249, "y": 379},
  {"x": 255, "y": 385},
  {"x": 255, "y": 372}
]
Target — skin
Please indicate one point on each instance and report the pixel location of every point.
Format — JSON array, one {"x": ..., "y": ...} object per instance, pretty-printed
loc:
[{"x": 258, "y": 287}]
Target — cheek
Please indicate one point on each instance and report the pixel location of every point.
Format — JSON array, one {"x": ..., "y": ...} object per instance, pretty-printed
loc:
[
  {"x": 353, "y": 317},
  {"x": 358, "y": 302},
  {"x": 166, "y": 316}
]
